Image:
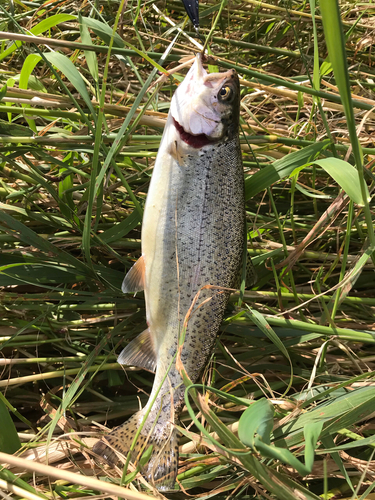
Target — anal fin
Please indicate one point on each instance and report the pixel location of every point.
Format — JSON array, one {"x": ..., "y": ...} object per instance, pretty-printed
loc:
[
  {"x": 134, "y": 280},
  {"x": 139, "y": 352}
]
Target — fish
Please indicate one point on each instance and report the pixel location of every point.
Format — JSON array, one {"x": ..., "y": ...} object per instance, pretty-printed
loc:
[{"x": 193, "y": 241}]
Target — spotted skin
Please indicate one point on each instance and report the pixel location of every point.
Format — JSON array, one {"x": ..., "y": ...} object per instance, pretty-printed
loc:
[{"x": 192, "y": 236}]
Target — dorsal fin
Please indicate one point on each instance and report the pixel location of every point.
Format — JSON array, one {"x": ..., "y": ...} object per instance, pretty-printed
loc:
[
  {"x": 251, "y": 275},
  {"x": 139, "y": 352},
  {"x": 134, "y": 280}
]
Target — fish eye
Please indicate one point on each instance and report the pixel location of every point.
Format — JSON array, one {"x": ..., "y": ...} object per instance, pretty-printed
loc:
[{"x": 225, "y": 93}]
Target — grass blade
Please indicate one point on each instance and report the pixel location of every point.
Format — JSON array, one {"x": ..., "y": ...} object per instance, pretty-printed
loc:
[
  {"x": 9, "y": 440},
  {"x": 280, "y": 169}
]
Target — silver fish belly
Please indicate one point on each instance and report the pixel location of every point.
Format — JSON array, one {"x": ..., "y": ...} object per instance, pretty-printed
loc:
[{"x": 192, "y": 236}]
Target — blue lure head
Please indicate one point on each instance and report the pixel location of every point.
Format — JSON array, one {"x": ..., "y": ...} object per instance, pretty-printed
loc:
[{"x": 192, "y": 9}]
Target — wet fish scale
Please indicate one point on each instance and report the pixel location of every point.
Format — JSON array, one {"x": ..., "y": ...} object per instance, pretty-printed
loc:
[
  {"x": 202, "y": 195},
  {"x": 192, "y": 236}
]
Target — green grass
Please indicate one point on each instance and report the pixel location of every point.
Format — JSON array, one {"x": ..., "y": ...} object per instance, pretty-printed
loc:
[{"x": 285, "y": 406}]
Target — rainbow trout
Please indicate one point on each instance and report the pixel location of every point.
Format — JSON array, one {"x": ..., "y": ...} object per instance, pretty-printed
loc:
[{"x": 192, "y": 236}]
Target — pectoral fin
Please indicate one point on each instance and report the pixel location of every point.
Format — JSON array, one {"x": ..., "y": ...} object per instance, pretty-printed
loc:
[
  {"x": 134, "y": 280},
  {"x": 175, "y": 151},
  {"x": 139, "y": 352}
]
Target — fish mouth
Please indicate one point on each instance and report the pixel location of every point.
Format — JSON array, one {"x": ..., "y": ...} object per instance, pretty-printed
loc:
[
  {"x": 200, "y": 114},
  {"x": 195, "y": 141}
]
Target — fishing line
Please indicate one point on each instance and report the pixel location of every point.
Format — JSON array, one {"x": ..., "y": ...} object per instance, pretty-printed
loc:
[{"x": 213, "y": 26}]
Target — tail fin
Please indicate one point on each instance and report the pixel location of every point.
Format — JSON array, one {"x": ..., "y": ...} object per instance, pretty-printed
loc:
[{"x": 161, "y": 469}]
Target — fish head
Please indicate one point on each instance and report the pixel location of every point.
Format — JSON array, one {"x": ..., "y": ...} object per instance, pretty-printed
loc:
[{"x": 207, "y": 103}]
